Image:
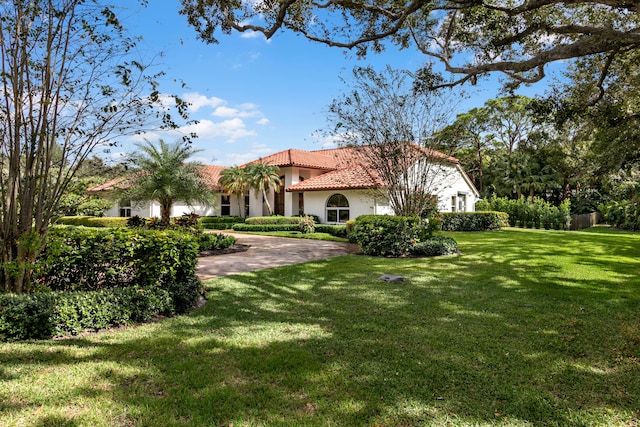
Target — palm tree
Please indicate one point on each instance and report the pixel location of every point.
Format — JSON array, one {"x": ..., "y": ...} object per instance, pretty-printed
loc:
[
  {"x": 165, "y": 176},
  {"x": 261, "y": 177},
  {"x": 234, "y": 180}
]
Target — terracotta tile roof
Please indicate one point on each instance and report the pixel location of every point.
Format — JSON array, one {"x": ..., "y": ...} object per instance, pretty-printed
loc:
[
  {"x": 346, "y": 168},
  {"x": 212, "y": 175},
  {"x": 291, "y": 157},
  {"x": 352, "y": 177}
]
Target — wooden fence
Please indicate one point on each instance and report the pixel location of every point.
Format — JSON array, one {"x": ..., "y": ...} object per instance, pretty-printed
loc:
[{"x": 578, "y": 222}]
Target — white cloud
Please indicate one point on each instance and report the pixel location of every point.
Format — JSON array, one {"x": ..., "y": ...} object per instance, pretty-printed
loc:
[
  {"x": 236, "y": 112},
  {"x": 198, "y": 101},
  {"x": 231, "y": 129},
  {"x": 263, "y": 121},
  {"x": 250, "y": 34}
]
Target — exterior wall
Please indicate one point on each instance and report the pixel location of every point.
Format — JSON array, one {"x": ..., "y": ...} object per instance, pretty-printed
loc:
[
  {"x": 449, "y": 183},
  {"x": 457, "y": 191},
  {"x": 361, "y": 202}
]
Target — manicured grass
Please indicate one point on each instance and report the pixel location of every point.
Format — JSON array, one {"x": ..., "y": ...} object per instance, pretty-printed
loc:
[{"x": 525, "y": 327}]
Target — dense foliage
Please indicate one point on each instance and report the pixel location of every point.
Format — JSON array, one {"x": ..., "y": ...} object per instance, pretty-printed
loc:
[
  {"x": 219, "y": 222},
  {"x": 164, "y": 175},
  {"x": 394, "y": 236},
  {"x": 435, "y": 246},
  {"x": 93, "y": 221},
  {"x": 93, "y": 278},
  {"x": 78, "y": 258},
  {"x": 44, "y": 315},
  {"x": 266, "y": 227},
  {"x": 536, "y": 214},
  {"x": 273, "y": 220},
  {"x": 210, "y": 241},
  {"x": 624, "y": 214},
  {"x": 473, "y": 221}
]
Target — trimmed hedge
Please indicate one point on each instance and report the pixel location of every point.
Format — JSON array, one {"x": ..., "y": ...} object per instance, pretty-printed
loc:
[
  {"x": 93, "y": 221},
  {"x": 474, "y": 221},
  {"x": 435, "y": 246},
  {"x": 45, "y": 315},
  {"x": 219, "y": 222},
  {"x": 524, "y": 213},
  {"x": 383, "y": 235},
  {"x": 259, "y": 228},
  {"x": 334, "y": 230},
  {"x": 264, "y": 220},
  {"x": 102, "y": 278},
  {"x": 91, "y": 259}
]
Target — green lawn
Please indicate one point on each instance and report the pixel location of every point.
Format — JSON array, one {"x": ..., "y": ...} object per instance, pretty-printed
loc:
[{"x": 525, "y": 327}]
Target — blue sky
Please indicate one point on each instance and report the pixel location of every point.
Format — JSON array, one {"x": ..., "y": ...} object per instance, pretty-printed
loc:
[{"x": 253, "y": 96}]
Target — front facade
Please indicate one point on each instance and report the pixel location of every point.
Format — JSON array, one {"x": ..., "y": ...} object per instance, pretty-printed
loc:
[{"x": 335, "y": 185}]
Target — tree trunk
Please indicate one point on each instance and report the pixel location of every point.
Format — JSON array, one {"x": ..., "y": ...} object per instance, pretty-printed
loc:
[
  {"x": 165, "y": 213},
  {"x": 266, "y": 200}
]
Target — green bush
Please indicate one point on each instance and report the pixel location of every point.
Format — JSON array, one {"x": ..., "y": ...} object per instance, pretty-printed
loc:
[
  {"x": 26, "y": 316},
  {"x": 93, "y": 221},
  {"x": 382, "y": 235},
  {"x": 44, "y": 315},
  {"x": 524, "y": 213},
  {"x": 219, "y": 222},
  {"x": 210, "y": 241},
  {"x": 306, "y": 224},
  {"x": 185, "y": 294},
  {"x": 474, "y": 221},
  {"x": 435, "y": 246},
  {"x": 624, "y": 214},
  {"x": 263, "y": 228},
  {"x": 334, "y": 230},
  {"x": 264, "y": 220},
  {"x": 91, "y": 259}
]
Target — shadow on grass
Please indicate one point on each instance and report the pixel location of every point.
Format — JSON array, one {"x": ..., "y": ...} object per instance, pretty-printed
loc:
[{"x": 518, "y": 329}]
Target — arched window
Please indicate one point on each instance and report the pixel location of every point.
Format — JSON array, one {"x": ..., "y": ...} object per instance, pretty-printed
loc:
[{"x": 337, "y": 208}]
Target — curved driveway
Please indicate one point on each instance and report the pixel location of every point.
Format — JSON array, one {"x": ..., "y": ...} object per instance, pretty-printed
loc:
[{"x": 268, "y": 251}]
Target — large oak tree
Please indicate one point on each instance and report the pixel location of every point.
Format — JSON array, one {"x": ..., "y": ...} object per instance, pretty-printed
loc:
[{"x": 470, "y": 38}]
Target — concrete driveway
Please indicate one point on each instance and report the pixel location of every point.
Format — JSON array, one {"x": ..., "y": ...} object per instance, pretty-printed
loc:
[{"x": 266, "y": 251}]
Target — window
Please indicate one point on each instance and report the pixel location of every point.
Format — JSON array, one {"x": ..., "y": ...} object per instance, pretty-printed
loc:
[
  {"x": 246, "y": 205},
  {"x": 225, "y": 205},
  {"x": 125, "y": 207},
  {"x": 453, "y": 203},
  {"x": 462, "y": 202},
  {"x": 337, "y": 209}
]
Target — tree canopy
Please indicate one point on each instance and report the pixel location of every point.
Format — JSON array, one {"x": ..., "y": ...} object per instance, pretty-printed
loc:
[
  {"x": 261, "y": 177},
  {"x": 470, "y": 38},
  {"x": 385, "y": 114},
  {"x": 164, "y": 176}
]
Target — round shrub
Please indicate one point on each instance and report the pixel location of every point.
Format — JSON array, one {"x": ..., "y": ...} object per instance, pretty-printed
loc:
[
  {"x": 210, "y": 241},
  {"x": 25, "y": 316},
  {"x": 382, "y": 235},
  {"x": 307, "y": 224},
  {"x": 438, "y": 245},
  {"x": 185, "y": 293}
]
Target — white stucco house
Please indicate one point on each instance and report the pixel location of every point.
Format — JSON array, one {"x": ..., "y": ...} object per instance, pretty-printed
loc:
[{"x": 335, "y": 185}]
